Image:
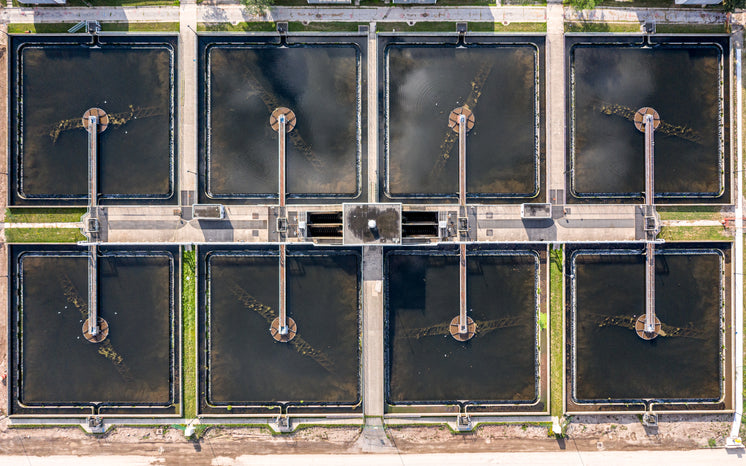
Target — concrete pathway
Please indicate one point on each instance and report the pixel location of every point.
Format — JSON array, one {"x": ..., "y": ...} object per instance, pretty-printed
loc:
[
  {"x": 372, "y": 113},
  {"x": 555, "y": 111},
  {"x": 236, "y": 13},
  {"x": 188, "y": 102},
  {"x": 659, "y": 15},
  {"x": 564, "y": 458},
  {"x": 372, "y": 356}
]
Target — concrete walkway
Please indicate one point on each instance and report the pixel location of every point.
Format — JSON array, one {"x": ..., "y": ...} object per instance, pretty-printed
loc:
[
  {"x": 236, "y": 13},
  {"x": 555, "y": 89},
  {"x": 373, "y": 375},
  {"x": 188, "y": 101}
]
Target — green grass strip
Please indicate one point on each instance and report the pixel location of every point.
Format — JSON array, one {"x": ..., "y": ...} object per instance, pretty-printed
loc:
[
  {"x": 54, "y": 28},
  {"x": 691, "y": 28},
  {"x": 43, "y": 215},
  {"x": 262, "y": 26},
  {"x": 43, "y": 235},
  {"x": 602, "y": 27},
  {"x": 122, "y": 2},
  {"x": 696, "y": 233},
  {"x": 189, "y": 334},
  {"x": 557, "y": 321},
  {"x": 689, "y": 213},
  {"x": 20, "y": 28},
  {"x": 141, "y": 27}
]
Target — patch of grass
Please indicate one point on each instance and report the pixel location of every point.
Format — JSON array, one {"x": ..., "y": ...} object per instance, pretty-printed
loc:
[
  {"x": 43, "y": 235},
  {"x": 261, "y": 26},
  {"x": 601, "y": 27},
  {"x": 650, "y": 4},
  {"x": 121, "y": 2},
  {"x": 421, "y": 26},
  {"x": 510, "y": 27},
  {"x": 38, "y": 28},
  {"x": 689, "y": 213},
  {"x": 691, "y": 28},
  {"x": 189, "y": 334},
  {"x": 556, "y": 322},
  {"x": 450, "y": 26},
  {"x": 711, "y": 233},
  {"x": 42, "y": 215},
  {"x": 144, "y": 27},
  {"x": 296, "y": 26}
]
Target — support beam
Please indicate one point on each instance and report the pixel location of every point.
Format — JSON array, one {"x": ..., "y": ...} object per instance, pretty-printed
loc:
[
  {"x": 462, "y": 164},
  {"x": 650, "y": 288},
  {"x": 462, "y": 318},
  {"x": 648, "y": 327},
  {"x": 282, "y": 120},
  {"x": 283, "y": 326},
  {"x": 462, "y": 327},
  {"x": 92, "y": 160},
  {"x": 93, "y": 329},
  {"x": 649, "y": 160}
]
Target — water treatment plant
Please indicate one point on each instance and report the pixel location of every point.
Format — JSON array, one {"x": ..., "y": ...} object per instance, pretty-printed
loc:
[{"x": 373, "y": 227}]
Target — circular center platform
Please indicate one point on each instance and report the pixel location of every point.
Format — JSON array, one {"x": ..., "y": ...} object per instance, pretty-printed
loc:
[
  {"x": 471, "y": 329},
  {"x": 275, "y": 330},
  {"x": 103, "y": 331},
  {"x": 103, "y": 119},
  {"x": 274, "y": 119},
  {"x": 640, "y": 118},
  {"x": 454, "y": 117},
  {"x": 640, "y": 328}
]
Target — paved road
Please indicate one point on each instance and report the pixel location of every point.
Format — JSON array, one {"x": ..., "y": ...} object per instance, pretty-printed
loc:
[
  {"x": 569, "y": 458},
  {"x": 236, "y": 13}
]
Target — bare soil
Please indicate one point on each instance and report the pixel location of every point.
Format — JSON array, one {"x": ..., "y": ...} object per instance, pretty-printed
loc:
[{"x": 167, "y": 444}]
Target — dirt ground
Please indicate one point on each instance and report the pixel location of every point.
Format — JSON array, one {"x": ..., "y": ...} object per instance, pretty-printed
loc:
[{"x": 168, "y": 445}]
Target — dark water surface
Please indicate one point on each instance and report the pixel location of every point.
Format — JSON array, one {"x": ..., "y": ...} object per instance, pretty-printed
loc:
[
  {"x": 425, "y": 83},
  {"x": 61, "y": 82},
  {"x": 683, "y": 83},
  {"x": 320, "y": 83},
  {"x": 612, "y": 362},
  {"x": 496, "y": 365},
  {"x": 132, "y": 365},
  {"x": 321, "y": 364}
]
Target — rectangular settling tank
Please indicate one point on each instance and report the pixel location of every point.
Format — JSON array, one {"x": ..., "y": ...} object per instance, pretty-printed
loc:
[
  {"x": 55, "y": 81},
  {"x": 244, "y": 79},
  {"x": 685, "y": 80},
  {"x": 499, "y": 80},
  {"x": 244, "y": 370},
  {"x": 55, "y": 370},
  {"x": 496, "y": 370},
  {"x": 686, "y": 366}
]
